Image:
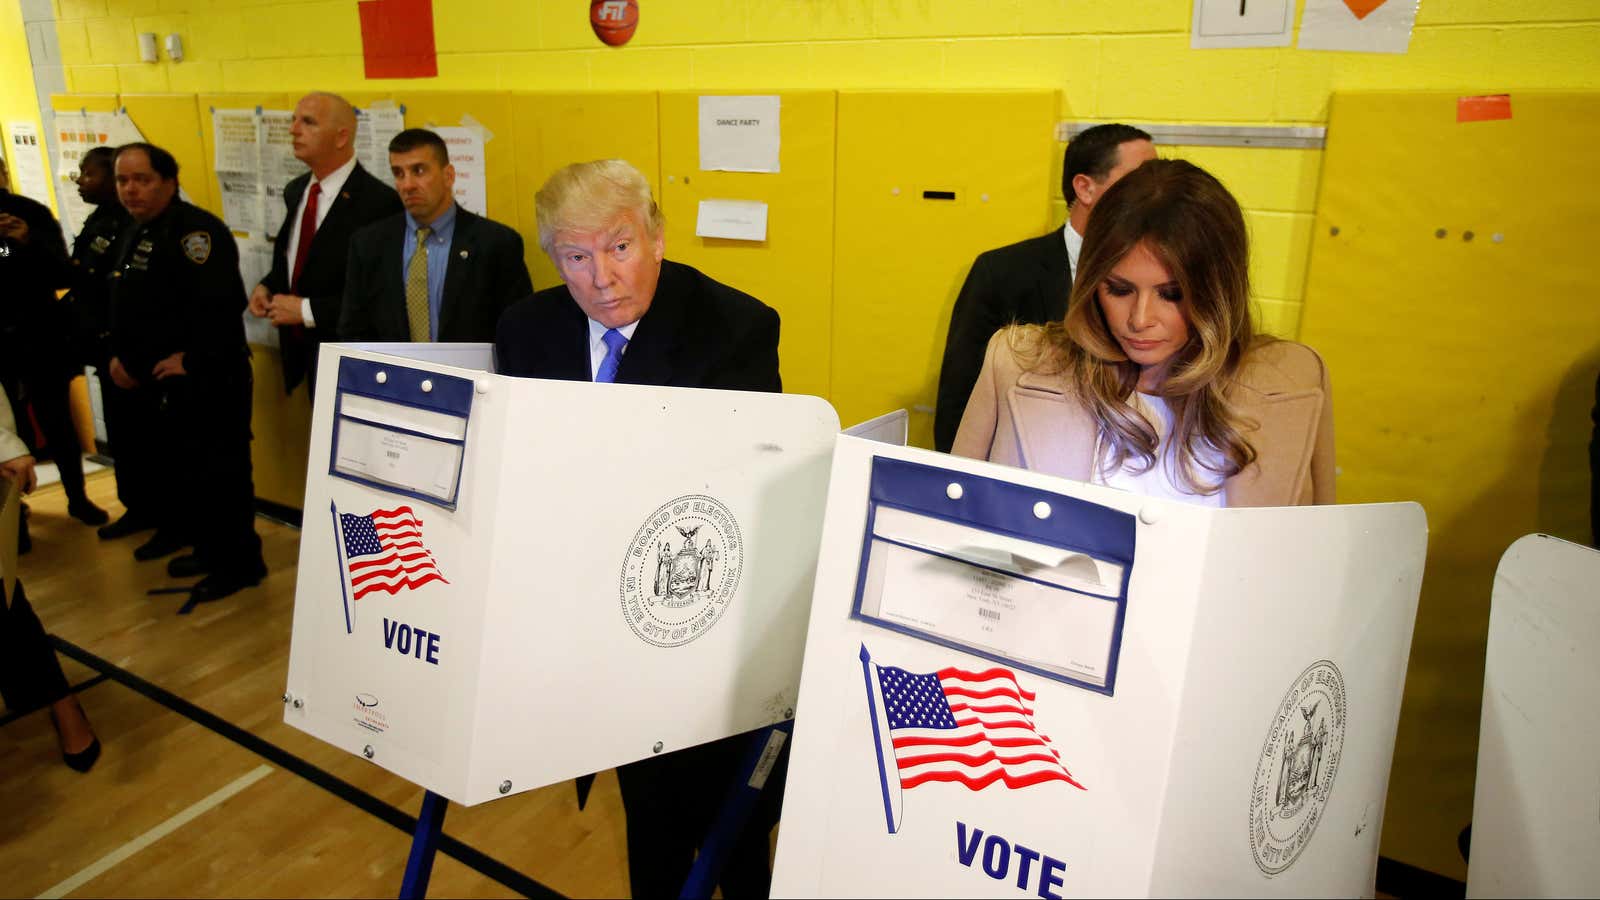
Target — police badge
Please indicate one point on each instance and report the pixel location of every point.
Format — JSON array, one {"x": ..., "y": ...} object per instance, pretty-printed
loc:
[
  {"x": 673, "y": 594},
  {"x": 197, "y": 246},
  {"x": 1296, "y": 768}
]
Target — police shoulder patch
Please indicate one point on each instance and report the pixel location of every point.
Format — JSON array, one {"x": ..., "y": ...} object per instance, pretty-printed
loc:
[{"x": 197, "y": 246}]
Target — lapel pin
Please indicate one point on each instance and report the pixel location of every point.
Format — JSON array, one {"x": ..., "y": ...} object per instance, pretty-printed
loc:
[
  {"x": 344, "y": 195},
  {"x": 463, "y": 254}
]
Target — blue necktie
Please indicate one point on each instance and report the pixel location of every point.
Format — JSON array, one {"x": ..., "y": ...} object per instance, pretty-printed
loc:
[{"x": 608, "y": 367}]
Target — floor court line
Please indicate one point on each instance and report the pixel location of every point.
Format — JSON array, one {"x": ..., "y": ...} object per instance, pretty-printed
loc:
[{"x": 194, "y": 811}]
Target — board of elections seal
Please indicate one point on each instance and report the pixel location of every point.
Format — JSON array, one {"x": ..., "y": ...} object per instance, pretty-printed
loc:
[
  {"x": 681, "y": 570},
  {"x": 1295, "y": 771}
]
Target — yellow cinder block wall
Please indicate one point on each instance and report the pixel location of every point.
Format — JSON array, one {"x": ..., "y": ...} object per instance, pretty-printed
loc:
[{"x": 1111, "y": 59}]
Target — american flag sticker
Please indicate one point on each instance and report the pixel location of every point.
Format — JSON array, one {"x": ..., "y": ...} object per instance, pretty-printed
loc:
[
  {"x": 972, "y": 728},
  {"x": 381, "y": 551}
]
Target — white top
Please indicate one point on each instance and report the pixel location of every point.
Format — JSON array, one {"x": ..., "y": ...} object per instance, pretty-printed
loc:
[
  {"x": 1074, "y": 247},
  {"x": 1159, "y": 480},
  {"x": 331, "y": 186},
  {"x": 597, "y": 344}
]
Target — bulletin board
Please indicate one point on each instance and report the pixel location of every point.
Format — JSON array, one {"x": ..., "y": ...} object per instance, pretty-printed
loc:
[
  {"x": 1450, "y": 291},
  {"x": 924, "y": 183},
  {"x": 792, "y": 270}
]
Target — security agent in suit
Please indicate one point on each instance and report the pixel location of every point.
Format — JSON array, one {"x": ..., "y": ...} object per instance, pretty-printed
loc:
[
  {"x": 624, "y": 314},
  {"x": 1027, "y": 283},
  {"x": 324, "y": 209},
  {"x": 177, "y": 339},
  {"x": 36, "y": 355},
  {"x": 435, "y": 272},
  {"x": 93, "y": 253}
]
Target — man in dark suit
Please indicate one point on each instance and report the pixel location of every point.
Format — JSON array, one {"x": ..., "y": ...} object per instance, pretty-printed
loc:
[
  {"x": 435, "y": 272},
  {"x": 325, "y": 207},
  {"x": 1028, "y": 282},
  {"x": 625, "y": 314}
]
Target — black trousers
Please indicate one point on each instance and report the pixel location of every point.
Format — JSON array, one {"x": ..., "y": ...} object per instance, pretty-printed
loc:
[
  {"x": 30, "y": 675},
  {"x": 129, "y": 435},
  {"x": 205, "y": 464},
  {"x": 47, "y": 388},
  {"x": 671, "y": 802}
]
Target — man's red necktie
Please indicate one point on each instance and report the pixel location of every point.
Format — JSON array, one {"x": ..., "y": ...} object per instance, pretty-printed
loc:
[{"x": 308, "y": 230}]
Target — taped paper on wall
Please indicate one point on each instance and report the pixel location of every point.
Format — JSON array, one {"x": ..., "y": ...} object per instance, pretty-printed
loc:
[
  {"x": 1369, "y": 26},
  {"x": 739, "y": 220},
  {"x": 1241, "y": 23},
  {"x": 76, "y": 134},
  {"x": 739, "y": 134},
  {"x": 375, "y": 127},
  {"x": 27, "y": 155},
  {"x": 465, "y": 146}
]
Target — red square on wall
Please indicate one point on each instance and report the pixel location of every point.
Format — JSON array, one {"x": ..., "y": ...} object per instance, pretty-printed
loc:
[{"x": 397, "y": 39}]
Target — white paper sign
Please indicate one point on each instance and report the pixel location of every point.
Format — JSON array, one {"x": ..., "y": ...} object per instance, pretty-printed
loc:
[
  {"x": 739, "y": 134},
  {"x": 465, "y": 146},
  {"x": 407, "y": 461},
  {"x": 1241, "y": 23},
  {"x": 1371, "y": 26},
  {"x": 376, "y": 125},
  {"x": 27, "y": 156},
  {"x": 739, "y": 220}
]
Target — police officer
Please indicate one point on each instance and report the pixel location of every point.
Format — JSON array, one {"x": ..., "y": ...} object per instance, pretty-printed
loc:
[
  {"x": 91, "y": 317},
  {"x": 177, "y": 344},
  {"x": 36, "y": 358}
]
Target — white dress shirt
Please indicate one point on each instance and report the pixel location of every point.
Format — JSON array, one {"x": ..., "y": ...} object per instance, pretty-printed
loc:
[
  {"x": 1074, "y": 247},
  {"x": 597, "y": 344},
  {"x": 331, "y": 186},
  {"x": 1160, "y": 480}
]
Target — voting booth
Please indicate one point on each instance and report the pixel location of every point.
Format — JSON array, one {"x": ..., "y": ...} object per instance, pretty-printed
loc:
[
  {"x": 1018, "y": 685},
  {"x": 1534, "y": 822},
  {"x": 506, "y": 582}
]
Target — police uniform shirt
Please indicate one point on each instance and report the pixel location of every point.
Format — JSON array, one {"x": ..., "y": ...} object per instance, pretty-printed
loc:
[
  {"x": 176, "y": 288},
  {"x": 92, "y": 260}
]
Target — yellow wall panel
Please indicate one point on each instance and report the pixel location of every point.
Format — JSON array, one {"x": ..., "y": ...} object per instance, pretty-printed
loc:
[
  {"x": 1070, "y": 62},
  {"x": 609, "y": 70},
  {"x": 553, "y": 130},
  {"x": 899, "y": 259},
  {"x": 1278, "y": 244},
  {"x": 807, "y": 20},
  {"x": 111, "y": 41},
  {"x": 1463, "y": 374},
  {"x": 142, "y": 78},
  {"x": 172, "y": 121},
  {"x": 1278, "y": 318},
  {"x": 947, "y": 18},
  {"x": 556, "y": 70},
  {"x": 728, "y": 67},
  {"x": 72, "y": 39},
  {"x": 92, "y": 79},
  {"x": 1263, "y": 179},
  {"x": 1177, "y": 86},
  {"x": 878, "y": 64},
  {"x": 791, "y": 270},
  {"x": 1531, "y": 58}
]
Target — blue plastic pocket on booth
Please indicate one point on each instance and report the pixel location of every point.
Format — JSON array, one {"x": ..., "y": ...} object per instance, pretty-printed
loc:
[
  {"x": 1025, "y": 577},
  {"x": 401, "y": 430}
]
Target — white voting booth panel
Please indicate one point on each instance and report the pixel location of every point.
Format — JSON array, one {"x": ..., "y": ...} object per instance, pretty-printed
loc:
[
  {"x": 507, "y": 582},
  {"x": 1536, "y": 811},
  {"x": 1018, "y": 685}
]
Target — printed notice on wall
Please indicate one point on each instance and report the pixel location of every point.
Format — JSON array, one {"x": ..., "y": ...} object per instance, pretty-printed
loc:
[
  {"x": 27, "y": 154},
  {"x": 1371, "y": 26},
  {"x": 76, "y": 134},
  {"x": 465, "y": 146},
  {"x": 739, "y": 134},
  {"x": 1241, "y": 23}
]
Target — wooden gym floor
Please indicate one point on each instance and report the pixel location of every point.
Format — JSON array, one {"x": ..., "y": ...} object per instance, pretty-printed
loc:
[{"x": 202, "y": 790}]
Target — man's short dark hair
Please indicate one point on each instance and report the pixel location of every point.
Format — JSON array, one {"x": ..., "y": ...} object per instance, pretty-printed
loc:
[
  {"x": 99, "y": 156},
  {"x": 160, "y": 160},
  {"x": 1094, "y": 153},
  {"x": 412, "y": 138}
]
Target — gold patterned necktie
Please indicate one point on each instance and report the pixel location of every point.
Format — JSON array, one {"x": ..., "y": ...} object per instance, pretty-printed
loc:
[{"x": 417, "y": 289}]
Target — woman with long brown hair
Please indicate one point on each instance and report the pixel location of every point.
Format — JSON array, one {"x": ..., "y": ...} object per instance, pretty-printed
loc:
[{"x": 1156, "y": 381}]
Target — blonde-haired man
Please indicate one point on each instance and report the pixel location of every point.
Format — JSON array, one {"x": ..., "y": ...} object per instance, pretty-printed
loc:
[{"x": 626, "y": 314}]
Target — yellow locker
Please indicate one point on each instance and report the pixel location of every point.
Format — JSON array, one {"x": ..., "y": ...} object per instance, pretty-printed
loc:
[
  {"x": 792, "y": 270},
  {"x": 1450, "y": 293},
  {"x": 556, "y": 129},
  {"x": 924, "y": 183}
]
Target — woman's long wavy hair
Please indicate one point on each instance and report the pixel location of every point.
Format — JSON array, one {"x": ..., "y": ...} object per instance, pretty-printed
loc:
[{"x": 1190, "y": 222}]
